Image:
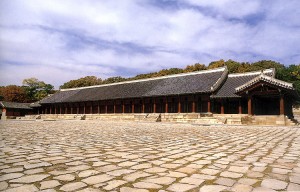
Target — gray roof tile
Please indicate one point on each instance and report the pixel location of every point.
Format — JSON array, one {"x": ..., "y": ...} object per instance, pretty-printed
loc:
[{"x": 195, "y": 82}]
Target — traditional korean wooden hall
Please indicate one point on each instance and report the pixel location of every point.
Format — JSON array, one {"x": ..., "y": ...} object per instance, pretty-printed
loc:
[{"x": 205, "y": 93}]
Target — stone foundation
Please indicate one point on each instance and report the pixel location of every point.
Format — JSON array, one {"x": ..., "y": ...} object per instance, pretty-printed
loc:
[{"x": 194, "y": 118}]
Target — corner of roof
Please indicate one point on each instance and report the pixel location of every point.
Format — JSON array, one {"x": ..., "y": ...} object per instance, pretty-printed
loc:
[
  {"x": 2, "y": 104},
  {"x": 267, "y": 78},
  {"x": 221, "y": 80}
]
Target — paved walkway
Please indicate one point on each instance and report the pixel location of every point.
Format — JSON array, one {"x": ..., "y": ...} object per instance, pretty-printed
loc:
[{"x": 130, "y": 156}]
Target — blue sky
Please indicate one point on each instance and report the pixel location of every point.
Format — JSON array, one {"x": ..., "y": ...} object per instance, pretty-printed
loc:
[{"x": 56, "y": 41}]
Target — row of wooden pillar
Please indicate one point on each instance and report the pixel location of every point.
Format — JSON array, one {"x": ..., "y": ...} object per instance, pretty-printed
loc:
[
  {"x": 123, "y": 108},
  {"x": 249, "y": 103}
]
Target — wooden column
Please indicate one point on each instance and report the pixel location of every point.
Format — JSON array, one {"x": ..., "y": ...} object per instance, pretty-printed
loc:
[
  {"x": 179, "y": 105},
  {"x": 222, "y": 107},
  {"x": 281, "y": 104},
  {"x": 132, "y": 106},
  {"x": 143, "y": 106},
  {"x": 77, "y": 110},
  {"x": 105, "y": 107},
  {"x": 249, "y": 105},
  {"x": 154, "y": 106},
  {"x": 240, "y": 107},
  {"x": 55, "y": 109},
  {"x": 83, "y": 108},
  {"x": 193, "y": 105},
  {"x": 98, "y": 107},
  {"x": 208, "y": 106},
  {"x": 114, "y": 107},
  {"x": 166, "y": 106},
  {"x": 59, "y": 109},
  {"x": 66, "y": 109},
  {"x": 123, "y": 107},
  {"x": 91, "y": 108},
  {"x": 38, "y": 111}
]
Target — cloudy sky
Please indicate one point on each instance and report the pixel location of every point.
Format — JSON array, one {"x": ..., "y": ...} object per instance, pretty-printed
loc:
[{"x": 56, "y": 41}]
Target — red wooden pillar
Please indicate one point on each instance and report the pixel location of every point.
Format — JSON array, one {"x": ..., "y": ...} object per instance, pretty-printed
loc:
[
  {"x": 166, "y": 106},
  {"x": 77, "y": 108},
  {"x": 83, "y": 108},
  {"x": 179, "y": 105},
  {"x": 98, "y": 107},
  {"x": 105, "y": 107},
  {"x": 154, "y": 106},
  {"x": 38, "y": 111},
  {"x": 193, "y": 105},
  {"x": 114, "y": 107},
  {"x": 71, "y": 108},
  {"x": 54, "y": 109},
  {"x": 249, "y": 105},
  {"x": 66, "y": 109},
  {"x": 143, "y": 106},
  {"x": 222, "y": 107},
  {"x": 132, "y": 106},
  {"x": 281, "y": 104},
  {"x": 46, "y": 110},
  {"x": 59, "y": 109},
  {"x": 240, "y": 107},
  {"x": 123, "y": 107},
  {"x": 208, "y": 106},
  {"x": 91, "y": 108}
]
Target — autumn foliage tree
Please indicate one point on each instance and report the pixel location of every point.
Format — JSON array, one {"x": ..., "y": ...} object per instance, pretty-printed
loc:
[{"x": 13, "y": 93}]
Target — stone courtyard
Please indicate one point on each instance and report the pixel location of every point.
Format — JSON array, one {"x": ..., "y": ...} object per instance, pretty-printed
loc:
[{"x": 98, "y": 155}]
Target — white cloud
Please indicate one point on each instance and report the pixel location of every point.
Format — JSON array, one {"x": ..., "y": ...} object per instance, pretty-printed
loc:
[{"x": 61, "y": 40}]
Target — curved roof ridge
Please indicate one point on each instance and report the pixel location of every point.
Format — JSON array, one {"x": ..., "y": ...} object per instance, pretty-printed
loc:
[
  {"x": 220, "y": 80},
  {"x": 153, "y": 78},
  {"x": 267, "y": 78},
  {"x": 271, "y": 70}
]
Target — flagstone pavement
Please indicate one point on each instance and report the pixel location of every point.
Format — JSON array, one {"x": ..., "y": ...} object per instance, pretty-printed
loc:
[{"x": 135, "y": 156}]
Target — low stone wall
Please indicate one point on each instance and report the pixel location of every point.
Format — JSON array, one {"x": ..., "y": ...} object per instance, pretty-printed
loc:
[{"x": 195, "y": 118}]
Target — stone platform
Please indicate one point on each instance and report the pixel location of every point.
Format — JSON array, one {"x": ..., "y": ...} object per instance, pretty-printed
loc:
[
  {"x": 147, "y": 156},
  {"x": 195, "y": 118}
]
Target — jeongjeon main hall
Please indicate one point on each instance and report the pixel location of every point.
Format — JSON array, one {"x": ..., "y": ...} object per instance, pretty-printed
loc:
[{"x": 205, "y": 93}]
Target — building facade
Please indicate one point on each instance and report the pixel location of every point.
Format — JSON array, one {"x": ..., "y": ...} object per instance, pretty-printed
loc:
[{"x": 207, "y": 91}]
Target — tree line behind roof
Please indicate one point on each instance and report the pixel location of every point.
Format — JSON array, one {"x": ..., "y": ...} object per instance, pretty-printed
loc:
[{"x": 34, "y": 90}]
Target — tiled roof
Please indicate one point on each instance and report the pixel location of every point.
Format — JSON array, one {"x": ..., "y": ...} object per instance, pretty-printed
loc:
[
  {"x": 265, "y": 78},
  {"x": 205, "y": 81},
  {"x": 14, "y": 105},
  {"x": 35, "y": 104},
  {"x": 233, "y": 81}
]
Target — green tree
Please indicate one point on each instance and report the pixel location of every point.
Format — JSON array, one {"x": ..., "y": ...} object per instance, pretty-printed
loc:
[
  {"x": 36, "y": 89},
  {"x": 82, "y": 82},
  {"x": 113, "y": 80},
  {"x": 216, "y": 64},
  {"x": 195, "y": 67}
]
